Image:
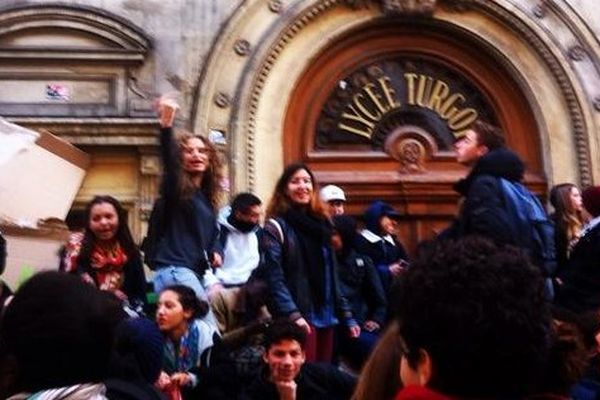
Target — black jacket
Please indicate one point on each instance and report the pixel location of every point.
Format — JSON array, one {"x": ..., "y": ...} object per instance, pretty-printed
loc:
[
  {"x": 483, "y": 211},
  {"x": 284, "y": 269},
  {"x": 362, "y": 287},
  {"x": 580, "y": 290},
  {"x": 315, "y": 382}
]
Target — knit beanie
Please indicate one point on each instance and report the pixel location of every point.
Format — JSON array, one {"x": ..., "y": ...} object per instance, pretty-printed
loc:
[
  {"x": 591, "y": 200},
  {"x": 140, "y": 339}
]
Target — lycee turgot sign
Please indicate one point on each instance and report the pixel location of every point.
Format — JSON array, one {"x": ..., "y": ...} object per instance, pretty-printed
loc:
[{"x": 374, "y": 99}]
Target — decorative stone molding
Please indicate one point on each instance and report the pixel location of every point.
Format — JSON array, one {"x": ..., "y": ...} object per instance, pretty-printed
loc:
[
  {"x": 275, "y": 6},
  {"x": 566, "y": 87},
  {"x": 409, "y": 7},
  {"x": 597, "y": 103},
  {"x": 242, "y": 47},
  {"x": 539, "y": 10},
  {"x": 300, "y": 16},
  {"x": 222, "y": 100},
  {"x": 398, "y": 7},
  {"x": 577, "y": 53},
  {"x": 128, "y": 42},
  {"x": 412, "y": 147}
]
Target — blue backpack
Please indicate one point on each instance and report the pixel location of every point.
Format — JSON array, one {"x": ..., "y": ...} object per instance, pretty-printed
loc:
[{"x": 536, "y": 230}]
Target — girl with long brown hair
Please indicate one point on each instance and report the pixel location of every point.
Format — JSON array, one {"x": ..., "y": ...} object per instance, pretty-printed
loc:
[
  {"x": 569, "y": 218},
  {"x": 182, "y": 239},
  {"x": 300, "y": 265}
]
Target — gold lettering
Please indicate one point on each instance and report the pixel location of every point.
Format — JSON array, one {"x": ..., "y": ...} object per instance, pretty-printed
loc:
[
  {"x": 463, "y": 119},
  {"x": 424, "y": 89},
  {"x": 447, "y": 111},
  {"x": 356, "y": 131},
  {"x": 357, "y": 97},
  {"x": 410, "y": 83},
  {"x": 375, "y": 97},
  {"x": 356, "y": 116},
  {"x": 389, "y": 92},
  {"x": 438, "y": 94}
]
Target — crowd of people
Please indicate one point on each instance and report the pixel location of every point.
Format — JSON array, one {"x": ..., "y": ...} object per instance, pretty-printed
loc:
[{"x": 313, "y": 304}]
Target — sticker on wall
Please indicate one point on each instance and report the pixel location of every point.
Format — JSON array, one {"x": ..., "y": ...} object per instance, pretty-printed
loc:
[{"x": 57, "y": 92}]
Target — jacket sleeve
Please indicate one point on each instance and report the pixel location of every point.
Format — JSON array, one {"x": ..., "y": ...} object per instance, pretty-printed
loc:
[
  {"x": 170, "y": 161},
  {"x": 374, "y": 293},
  {"x": 484, "y": 212},
  {"x": 342, "y": 306},
  {"x": 281, "y": 302}
]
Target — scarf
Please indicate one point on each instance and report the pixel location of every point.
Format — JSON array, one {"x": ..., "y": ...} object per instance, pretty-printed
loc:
[
  {"x": 107, "y": 266},
  {"x": 313, "y": 235},
  {"x": 86, "y": 391},
  {"x": 185, "y": 356}
]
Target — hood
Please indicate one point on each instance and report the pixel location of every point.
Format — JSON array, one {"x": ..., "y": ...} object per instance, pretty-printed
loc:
[
  {"x": 375, "y": 211},
  {"x": 501, "y": 163}
]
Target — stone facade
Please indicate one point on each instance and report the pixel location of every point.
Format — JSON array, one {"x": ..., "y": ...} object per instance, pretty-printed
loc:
[{"x": 236, "y": 64}]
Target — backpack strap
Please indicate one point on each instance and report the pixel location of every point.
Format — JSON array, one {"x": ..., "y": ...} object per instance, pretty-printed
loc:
[{"x": 277, "y": 225}]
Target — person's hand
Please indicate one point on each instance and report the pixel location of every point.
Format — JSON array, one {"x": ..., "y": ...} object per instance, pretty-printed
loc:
[
  {"x": 354, "y": 331},
  {"x": 163, "y": 381},
  {"x": 301, "y": 322},
  {"x": 167, "y": 108},
  {"x": 181, "y": 379},
  {"x": 395, "y": 269},
  {"x": 286, "y": 390},
  {"x": 371, "y": 326},
  {"x": 213, "y": 290},
  {"x": 217, "y": 260}
]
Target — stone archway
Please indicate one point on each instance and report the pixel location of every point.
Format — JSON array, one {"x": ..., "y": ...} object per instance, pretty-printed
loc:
[{"x": 247, "y": 83}]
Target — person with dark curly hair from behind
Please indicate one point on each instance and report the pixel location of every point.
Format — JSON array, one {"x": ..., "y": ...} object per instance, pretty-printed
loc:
[
  {"x": 474, "y": 323},
  {"x": 56, "y": 339}
]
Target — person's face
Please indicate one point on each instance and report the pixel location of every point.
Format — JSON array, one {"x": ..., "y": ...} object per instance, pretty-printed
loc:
[
  {"x": 284, "y": 359},
  {"x": 194, "y": 156},
  {"x": 468, "y": 150},
  {"x": 299, "y": 188},
  {"x": 336, "y": 207},
  {"x": 170, "y": 314},
  {"x": 104, "y": 221},
  {"x": 251, "y": 215},
  {"x": 575, "y": 198},
  {"x": 387, "y": 225}
]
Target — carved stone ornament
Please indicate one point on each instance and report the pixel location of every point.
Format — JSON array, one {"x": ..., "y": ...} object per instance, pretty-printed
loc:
[
  {"x": 222, "y": 100},
  {"x": 275, "y": 6},
  {"x": 398, "y": 7},
  {"x": 597, "y": 103},
  {"x": 539, "y": 10},
  {"x": 242, "y": 47},
  {"x": 149, "y": 165},
  {"x": 409, "y": 7},
  {"x": 577, "y": 53},
  {"x": 411, "y": 146}
]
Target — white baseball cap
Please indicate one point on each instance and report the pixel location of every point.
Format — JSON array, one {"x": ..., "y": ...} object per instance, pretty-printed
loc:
[{"x": 332, "y": 192}]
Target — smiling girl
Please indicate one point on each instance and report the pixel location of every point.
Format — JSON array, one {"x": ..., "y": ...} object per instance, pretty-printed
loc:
[
  {"x": 300, "y": 265},
  {"x": 105, "y": 254}
]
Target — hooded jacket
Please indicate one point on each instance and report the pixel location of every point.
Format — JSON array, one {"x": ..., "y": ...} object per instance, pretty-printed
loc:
[
  {"x": 240, "y": 255},
  {"x": 483, "y": 211}
]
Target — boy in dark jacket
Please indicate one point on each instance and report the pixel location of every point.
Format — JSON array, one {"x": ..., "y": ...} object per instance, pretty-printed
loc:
[{"x": 287, "y": 377}]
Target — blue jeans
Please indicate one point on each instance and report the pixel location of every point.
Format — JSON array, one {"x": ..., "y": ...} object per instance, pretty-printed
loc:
[{"x": 168, "y": 275}]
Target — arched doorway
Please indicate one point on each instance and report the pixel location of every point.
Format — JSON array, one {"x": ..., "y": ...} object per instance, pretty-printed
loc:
[{"x": 377, "y": 112}]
